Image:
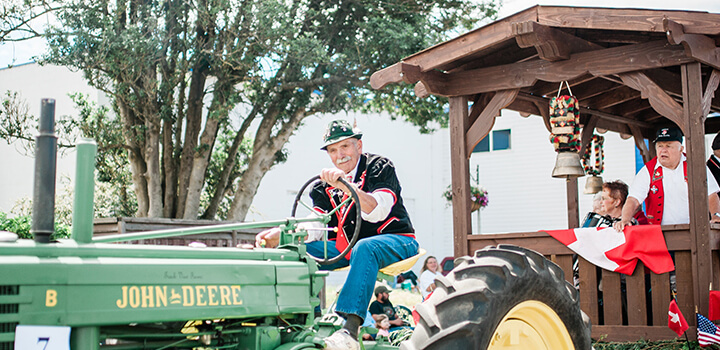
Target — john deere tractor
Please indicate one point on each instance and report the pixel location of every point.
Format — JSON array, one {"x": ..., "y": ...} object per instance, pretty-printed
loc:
[{"x": 88, "y": 293}]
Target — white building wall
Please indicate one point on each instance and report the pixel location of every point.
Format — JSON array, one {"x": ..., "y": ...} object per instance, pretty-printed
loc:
[{"x": 34, "y": 83}]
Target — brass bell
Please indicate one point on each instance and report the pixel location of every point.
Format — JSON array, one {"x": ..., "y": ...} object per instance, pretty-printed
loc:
[
  {"x": 593, "y": 185},
  {"x": 568, "y": 165}
]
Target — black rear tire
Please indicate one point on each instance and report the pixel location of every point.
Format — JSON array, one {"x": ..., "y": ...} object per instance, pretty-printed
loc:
[{"x": 471, "y": 302}]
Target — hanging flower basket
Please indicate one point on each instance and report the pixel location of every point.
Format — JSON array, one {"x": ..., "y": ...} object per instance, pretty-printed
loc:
[{"x": 478, "y": 197}]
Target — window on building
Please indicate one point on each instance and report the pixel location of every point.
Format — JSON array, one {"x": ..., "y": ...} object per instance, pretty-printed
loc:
[
  {"x": 483, "y": 145},
  {"x": 500, "y": 140}
]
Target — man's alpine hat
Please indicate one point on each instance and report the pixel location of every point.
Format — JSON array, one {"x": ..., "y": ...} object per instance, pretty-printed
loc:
[
  {"x": 669, "y": 134},
  {"x": 339, "y": 130}
]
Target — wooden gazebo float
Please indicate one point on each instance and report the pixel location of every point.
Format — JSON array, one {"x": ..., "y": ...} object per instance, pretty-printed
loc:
[{"x": 633, "y": 71}]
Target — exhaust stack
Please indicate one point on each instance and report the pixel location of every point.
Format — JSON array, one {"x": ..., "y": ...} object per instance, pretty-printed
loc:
[{"x": 43, "y": 214}]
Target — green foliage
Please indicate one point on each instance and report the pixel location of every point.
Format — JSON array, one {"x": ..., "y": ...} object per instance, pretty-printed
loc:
[
  {"x": 648, "y": 345},
  {"x": 18, "y": 18},
  {"x": 21, "y": 225},
  {"x": 15, "y": 118},
  {"x": 114, "y": 195},
  {"x": 216, "y": 167},
  {"x": 171, "y": 66}
]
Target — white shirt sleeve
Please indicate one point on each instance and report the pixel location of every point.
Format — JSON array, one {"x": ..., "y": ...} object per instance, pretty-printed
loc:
[
  {"x": 712, "y": 184},
  {"x": 316, "y": 230},
  {"x": 385, "y": 202},
  {"x": 641, "y": 185}
]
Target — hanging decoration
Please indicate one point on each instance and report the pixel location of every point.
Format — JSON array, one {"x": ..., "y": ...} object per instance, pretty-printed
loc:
[
  {"x": 594, "y": 183},
  {"x": 565, "y": 121},
  {"x": 565, "y": 134},
  {"x": 597, "y": 148}
]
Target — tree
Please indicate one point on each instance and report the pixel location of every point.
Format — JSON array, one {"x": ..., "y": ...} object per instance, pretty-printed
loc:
[
  {"x": 181, "y": 73},
  {"x": 19, "y": 18}
]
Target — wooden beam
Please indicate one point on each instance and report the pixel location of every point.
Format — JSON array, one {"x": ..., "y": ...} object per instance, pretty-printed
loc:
[
  {"x": 595, "y": 87},
  {"x": 587, "y": 133},
  {"x": 614, "y": 60},
  {"x": 584, "y": 110},
  {"x": 709, "y": 93},
  {"x": 697, "y": 189},
  {"x": 485, "y": 121},
  {"x": 637, "y": 20},
  {"x": 460, "y": 175},
  {"x": 387, "y": 75},
  {"x": 670, "y": 82},
  {"x": 551, "y": 44},
  {"x": 640, "y": 143},
  {"x": 630, "y": 109},
  {"x": 615, "y": 96},
  {"x": 658, "y": 98},
  {"x": 544, "y": 109},
  {"x": 697, "y": 46},
  {"x": 469, "y": 43},
  {"x": 544, "y": 88},
  {"x": 479, "y": 103}
]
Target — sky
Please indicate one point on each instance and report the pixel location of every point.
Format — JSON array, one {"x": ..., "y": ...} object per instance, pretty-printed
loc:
[{"x": 23, "y": 52}]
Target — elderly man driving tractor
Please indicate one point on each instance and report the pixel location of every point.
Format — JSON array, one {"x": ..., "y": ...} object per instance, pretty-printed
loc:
[{"x": 385, "y": 235}]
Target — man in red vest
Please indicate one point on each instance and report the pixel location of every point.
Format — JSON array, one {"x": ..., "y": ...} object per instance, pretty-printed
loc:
[{"x": 662, "y": 185}]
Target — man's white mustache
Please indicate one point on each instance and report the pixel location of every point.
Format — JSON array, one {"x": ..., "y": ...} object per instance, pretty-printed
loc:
[{"x": 344, "y": 159}]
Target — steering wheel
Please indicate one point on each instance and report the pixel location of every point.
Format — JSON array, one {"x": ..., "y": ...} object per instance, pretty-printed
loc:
[{"x": 358, "y": 217}]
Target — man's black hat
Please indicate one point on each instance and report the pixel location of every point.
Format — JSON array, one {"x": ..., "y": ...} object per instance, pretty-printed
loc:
[
  {"x": 669, "y": 134},
  {"x": 339, "y": 130},
  {"x": 716, "y": 142}
]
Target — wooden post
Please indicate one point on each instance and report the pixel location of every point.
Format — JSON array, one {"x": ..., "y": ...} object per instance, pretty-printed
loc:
[
  {"x": 697, "y": 189},
  {"x": 460, "y": 174},
  {"x": 572, "y": 202}
]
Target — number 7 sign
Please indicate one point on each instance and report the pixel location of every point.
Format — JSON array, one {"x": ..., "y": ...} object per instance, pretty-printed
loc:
[{"x": 42, "y": 337}]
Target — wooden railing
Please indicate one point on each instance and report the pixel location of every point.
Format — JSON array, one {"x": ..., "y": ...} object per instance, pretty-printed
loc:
[
  {"x": 624, "y": 307},
  {"x": 115, "y": 225}
]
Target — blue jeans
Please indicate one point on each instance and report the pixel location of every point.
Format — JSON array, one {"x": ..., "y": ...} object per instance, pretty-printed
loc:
[{"x": 368, "y": 256}]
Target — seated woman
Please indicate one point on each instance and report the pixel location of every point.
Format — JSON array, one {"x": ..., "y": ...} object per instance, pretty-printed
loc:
[
  {"x": 428, "y": 272},
  {"x": 596, "y": 218},
  {"x": 614, "y": 194}
]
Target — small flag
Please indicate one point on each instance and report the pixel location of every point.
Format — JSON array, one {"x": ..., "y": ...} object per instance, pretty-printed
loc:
[
  {"x": 714, "y": 304},
  {"x": 676, "y": 320},
  {"x": 708, "y": 332}
]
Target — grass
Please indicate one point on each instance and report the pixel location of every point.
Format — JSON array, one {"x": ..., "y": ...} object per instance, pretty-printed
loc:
[{"x": 648, "y": 345}]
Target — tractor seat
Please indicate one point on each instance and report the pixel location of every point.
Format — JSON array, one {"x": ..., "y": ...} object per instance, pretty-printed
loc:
[{"x": 397, "y": 268}]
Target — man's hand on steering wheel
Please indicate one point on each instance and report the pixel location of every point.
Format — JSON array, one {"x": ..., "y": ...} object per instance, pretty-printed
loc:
[{"x": 331, "y": 176}]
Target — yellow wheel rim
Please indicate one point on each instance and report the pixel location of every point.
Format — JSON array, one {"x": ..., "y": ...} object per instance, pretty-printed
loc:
[{"x": 531, "y": 325}]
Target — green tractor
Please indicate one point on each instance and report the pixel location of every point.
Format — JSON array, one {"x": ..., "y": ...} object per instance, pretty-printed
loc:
[{"x": 88, "y": 293}]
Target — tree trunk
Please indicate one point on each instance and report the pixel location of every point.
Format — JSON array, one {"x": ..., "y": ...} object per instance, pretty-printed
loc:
[
  {"x": 263, "y": 157},
  {"x": 228, "y": 166},
  {"x": 169, "y": 169},
  {"x": 218, "y": 113},
  {"x": 137, "y": 163},
  {"x": 192, "y": 129},
  {"x": 152, "y": 175}
]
